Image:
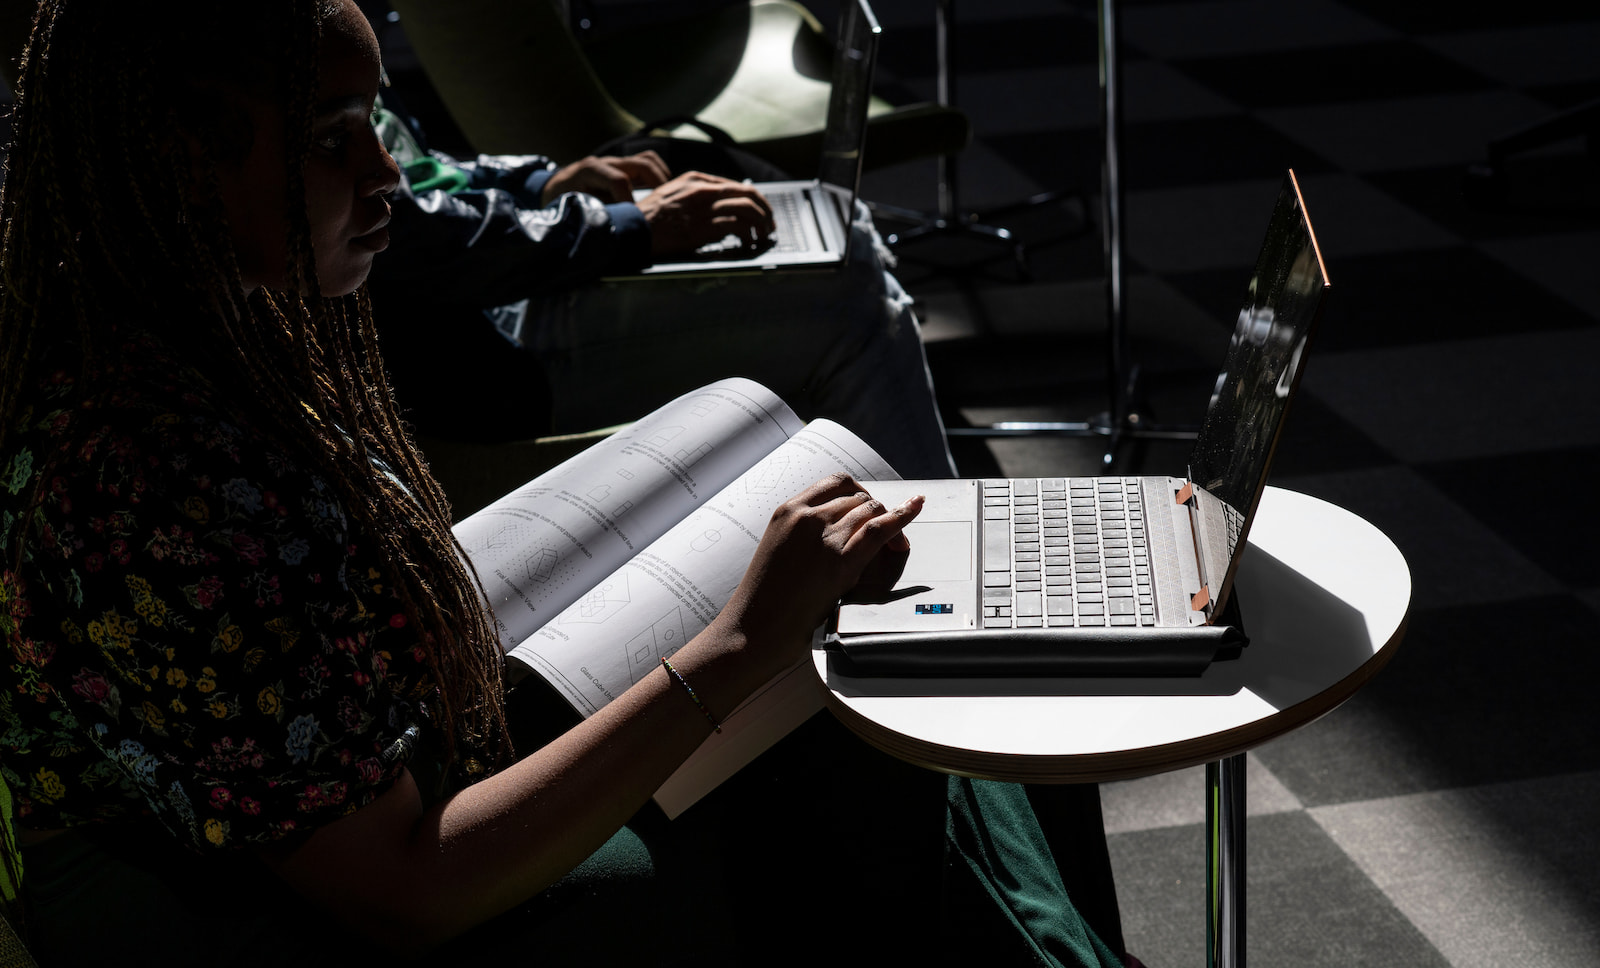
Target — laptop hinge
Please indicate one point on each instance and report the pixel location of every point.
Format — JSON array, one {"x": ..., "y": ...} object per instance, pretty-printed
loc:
[{"x": 1201, "y": 601}]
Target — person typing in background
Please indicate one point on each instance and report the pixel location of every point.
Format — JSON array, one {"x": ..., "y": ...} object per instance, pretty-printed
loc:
[{"x": 494, "y": 305}]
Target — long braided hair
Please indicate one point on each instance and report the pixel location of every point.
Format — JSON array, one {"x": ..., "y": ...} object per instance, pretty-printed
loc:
[{"x": 112, "y": 211}]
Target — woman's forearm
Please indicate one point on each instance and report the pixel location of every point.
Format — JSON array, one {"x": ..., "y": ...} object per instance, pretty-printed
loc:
[{"x": 410, "y": 877}]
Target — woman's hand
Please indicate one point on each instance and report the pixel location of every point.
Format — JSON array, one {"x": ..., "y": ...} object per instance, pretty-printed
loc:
[
  {"x": 818, "y": 546},
  {"x": 610, "y": 178}
]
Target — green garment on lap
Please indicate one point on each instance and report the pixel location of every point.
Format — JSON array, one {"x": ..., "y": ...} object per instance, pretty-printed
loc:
[{"x": 992, "y": 833}]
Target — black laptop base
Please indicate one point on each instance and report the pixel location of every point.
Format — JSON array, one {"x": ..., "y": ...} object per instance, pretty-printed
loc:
[{"x": 1070, "y": 652}]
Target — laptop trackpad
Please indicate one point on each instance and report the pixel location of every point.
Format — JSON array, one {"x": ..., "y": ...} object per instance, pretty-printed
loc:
[
  {"x": 941, "y": 551},
  {"x": 939, "y": 581}
]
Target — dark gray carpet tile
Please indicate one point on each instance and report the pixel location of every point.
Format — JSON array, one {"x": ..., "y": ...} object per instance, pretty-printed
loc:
[
  {"x": 1212, "y": 226},
  {"x": 1018, "y": 371},
  {"x": 1065, "y": 158},
  {"x": 1561, "y": 263},
  {"x": 1526, "y": 56},
  {"x": 1475, "y": 694},
  {"x": 1451, "y": 400},
  {"x": 1454, "y": 558},
  {"x": 1569, "y": 95},
  {"x": 978, "y": 45},
  {"x": 1425, "y": 296},
  {"x": 1415, "y": 132},
  {"x": 1425, "y": 17},
  {"x": 1356, "y": 72},
  {"x": 1541, "y": 194},
  {"x": 1243, "y": 28},
  {"x": 1162, "y": 154},
  {"x": 1316, "y": 440},
  {"x": 1203, "y": 150},
  {"x": 1219, "y": 227},
  {"x": 1306, "y": 903},
  {"x": 1561, "y": 532}
]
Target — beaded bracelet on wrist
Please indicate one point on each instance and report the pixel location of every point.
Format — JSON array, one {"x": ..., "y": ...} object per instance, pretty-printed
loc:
[{"x": 680, "y": 680}]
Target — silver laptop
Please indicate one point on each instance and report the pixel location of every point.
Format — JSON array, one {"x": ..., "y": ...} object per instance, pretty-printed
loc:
[
  {"x": 1115, "y": 575},
  {"x": 812, "y": 217}
]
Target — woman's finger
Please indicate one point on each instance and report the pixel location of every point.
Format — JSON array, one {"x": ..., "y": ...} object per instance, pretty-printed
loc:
[
  {"x": 830, "y": 487},
  {"x": 884, "y": 528}
]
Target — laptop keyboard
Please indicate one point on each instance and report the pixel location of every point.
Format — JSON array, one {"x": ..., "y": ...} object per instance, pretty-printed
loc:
[
  {"x": 1235, "y": 521},
  {"x": 786, "y": 216},
  {"x": 1075, "y": 554},
  {"x": 788, "y": 208}
]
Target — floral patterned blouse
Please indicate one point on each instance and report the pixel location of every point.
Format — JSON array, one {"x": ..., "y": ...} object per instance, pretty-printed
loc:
[{"x": 196, "y": 630}]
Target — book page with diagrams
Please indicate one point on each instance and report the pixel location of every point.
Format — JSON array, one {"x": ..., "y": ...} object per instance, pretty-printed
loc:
[{"x": 597, "y": 569}]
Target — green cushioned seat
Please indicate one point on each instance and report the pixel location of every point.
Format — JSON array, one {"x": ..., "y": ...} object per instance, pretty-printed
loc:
[{"x": 516, "y": 80}]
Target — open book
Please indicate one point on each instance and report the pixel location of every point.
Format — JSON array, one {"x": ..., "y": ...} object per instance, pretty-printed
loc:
[{"x": 598, "y": 568}]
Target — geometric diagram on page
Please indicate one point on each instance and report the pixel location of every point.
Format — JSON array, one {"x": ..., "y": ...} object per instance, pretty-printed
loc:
[
  {"x": 539, "y": 565},
  {"x": 599, "y": 604},
  {"x": 688, "y": 457},
  {"x": 622, "y": 509},
  {"x": 769, "y": 475},
  {"x": 706, "y": 540},
  {"x": 507, "y": 537},
  {"x": 662, "y": 638},
  {"x": 600, "y": 492}
]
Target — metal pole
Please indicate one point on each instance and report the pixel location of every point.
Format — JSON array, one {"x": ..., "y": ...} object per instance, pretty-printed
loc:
[
  {"x": 1111, "y": 199},
  {"x": 944, "y": 22},
  {"x": 1225, "y": 862}
]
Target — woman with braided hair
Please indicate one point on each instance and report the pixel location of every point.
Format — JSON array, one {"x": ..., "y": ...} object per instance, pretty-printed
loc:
[{"x": 252, "y": 707}]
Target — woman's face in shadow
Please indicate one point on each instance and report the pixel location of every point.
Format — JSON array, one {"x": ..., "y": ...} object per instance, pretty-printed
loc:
[{"x": 347, "y": 172}]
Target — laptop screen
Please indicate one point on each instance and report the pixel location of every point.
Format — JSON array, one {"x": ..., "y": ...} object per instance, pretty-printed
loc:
[
  {"x": 1265, "y": 359},
  {"x": 844, "y": 135}
]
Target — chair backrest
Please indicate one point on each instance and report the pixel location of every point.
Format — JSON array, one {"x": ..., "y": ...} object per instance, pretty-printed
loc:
[
  {"x": 758, "y": 69},
  {"x": 516, "y": 80},
  {"x": 491, "y": 63}
]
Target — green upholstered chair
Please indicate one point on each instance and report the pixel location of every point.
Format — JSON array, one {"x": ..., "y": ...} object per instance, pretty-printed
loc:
[
  {"x": 13, "y": 953},
  {"x": 515, "y": 79}
]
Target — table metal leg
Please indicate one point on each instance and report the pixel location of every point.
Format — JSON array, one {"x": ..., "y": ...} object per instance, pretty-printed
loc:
[{"x": 1225, "y": 859}]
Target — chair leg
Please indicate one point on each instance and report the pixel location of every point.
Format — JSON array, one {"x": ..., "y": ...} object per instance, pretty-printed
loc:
[{"x": 923, "y": 225}]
